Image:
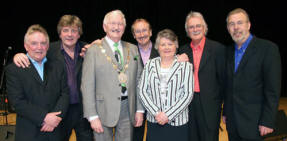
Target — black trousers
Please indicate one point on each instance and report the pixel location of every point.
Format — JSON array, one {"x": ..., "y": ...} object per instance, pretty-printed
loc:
[
  {"x": 198, "y": 127},
  {"x": 74, "y": 120},
  {"x": 138, "y": 133},
  {"x": 156, "y": 132},
  {"x": 233, "y": 134}
]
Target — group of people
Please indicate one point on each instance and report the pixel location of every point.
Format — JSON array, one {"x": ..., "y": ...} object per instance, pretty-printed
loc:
[{"x": 106, "y": 90}]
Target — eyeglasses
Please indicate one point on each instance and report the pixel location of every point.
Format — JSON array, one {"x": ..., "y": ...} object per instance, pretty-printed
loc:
[{"x": 195, "y": 26}]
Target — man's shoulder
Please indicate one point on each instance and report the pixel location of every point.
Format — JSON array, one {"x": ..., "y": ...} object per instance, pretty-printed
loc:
[
  {"x": 128, "y": 44},
  {"x": 11, "y": 67},
  {"x": 264, "y": 42},
  {"x": 214, "y": 44}
]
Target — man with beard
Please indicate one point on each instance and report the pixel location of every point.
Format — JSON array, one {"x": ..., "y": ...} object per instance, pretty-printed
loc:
[
  {"x": 208, "y": 59},
  {"x": 253, "y": 81}
]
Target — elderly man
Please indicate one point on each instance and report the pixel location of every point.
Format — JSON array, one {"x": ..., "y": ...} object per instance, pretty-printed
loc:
[
  {"x": 111, "y": 71},
  {"x": 67, "y": 50},
  {"x": 39, "y": 93}
]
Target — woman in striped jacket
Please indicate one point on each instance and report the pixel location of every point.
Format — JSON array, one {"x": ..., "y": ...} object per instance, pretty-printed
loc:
[{"x": 166, "y": 89}]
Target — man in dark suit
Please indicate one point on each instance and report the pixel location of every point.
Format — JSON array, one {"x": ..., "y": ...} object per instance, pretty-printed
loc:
[
  {"x": 40, "y": 92},
  {"x": 141, "y": 30},
  {"x": 253, "y": 82},
  {"x": 67, "y": 50},
  {"x": 208, "y": 59}
]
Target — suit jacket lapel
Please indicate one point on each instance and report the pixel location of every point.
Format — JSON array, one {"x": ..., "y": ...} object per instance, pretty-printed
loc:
[
  {"x": 125, "y": 51},
  {"x": 173, "y": 70},
  {"x": 34, "y": 73},
  {"x": 157, "y": 68},
  {"x": 47, "y": 68},
  {"x": 251, "y": 49},
  {"x": 153, "y": 53},
  {"x": 205, "y": 55},
  {"x": 230, "y": 59},
  {"x": 109, "y": 51},
  {"x": 172, "y": 73}
]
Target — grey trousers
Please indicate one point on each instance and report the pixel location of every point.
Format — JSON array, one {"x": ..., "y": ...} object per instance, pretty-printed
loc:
[{"x": 123, "y": 129}]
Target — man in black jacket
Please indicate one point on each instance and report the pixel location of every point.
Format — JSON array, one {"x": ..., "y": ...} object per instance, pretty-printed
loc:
[
  {"x": 67, "y": 50},
  {"x": 208, "y": 59},
  {"x": 253, "y": 81},
  {"x": 40, "y": 92}
]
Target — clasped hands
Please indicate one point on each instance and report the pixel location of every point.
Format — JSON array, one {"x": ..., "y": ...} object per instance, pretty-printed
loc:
[
  {"x": 161, "y": 118},
  {"x": 51, "y": 121}
]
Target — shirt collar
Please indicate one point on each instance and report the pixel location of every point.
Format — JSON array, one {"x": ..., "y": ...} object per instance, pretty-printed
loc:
[
  {"x": 35, "y": 62},
  {"x": 201, "y": 44},
  {"x": 245, "y": 44},
  {"x": 111, "y": 42},
  {"x": 149, "y": 47},
  {"x": 77, "y": 48}
]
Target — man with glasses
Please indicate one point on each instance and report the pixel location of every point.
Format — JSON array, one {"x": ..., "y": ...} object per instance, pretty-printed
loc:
[
  {"x": 111, "y": 71},
  {"x": 208, "y": 59},
  {"x": 141, "y": 30}
]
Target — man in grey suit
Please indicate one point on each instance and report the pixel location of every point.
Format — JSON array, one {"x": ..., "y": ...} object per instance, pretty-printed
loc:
[{"x": 111, "y": 71}]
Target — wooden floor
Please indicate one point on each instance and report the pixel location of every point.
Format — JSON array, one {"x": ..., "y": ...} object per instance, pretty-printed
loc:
[{"x": 222, "y": 135}]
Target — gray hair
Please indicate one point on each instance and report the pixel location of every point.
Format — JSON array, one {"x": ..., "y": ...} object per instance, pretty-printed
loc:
[
  {"x": 168, "y": 34},
  {"x": 193, "y": 14},
  {"x": 116, "y": 12}
]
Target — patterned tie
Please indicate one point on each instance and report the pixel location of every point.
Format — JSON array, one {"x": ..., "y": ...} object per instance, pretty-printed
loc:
[{"x": 117, "y": 52}]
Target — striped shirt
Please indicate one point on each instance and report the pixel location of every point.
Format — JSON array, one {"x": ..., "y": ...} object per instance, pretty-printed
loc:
[{"x": 177, "y": 97}]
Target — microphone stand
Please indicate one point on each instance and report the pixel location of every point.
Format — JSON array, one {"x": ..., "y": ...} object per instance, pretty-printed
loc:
[{"x": 4, "y": 98}]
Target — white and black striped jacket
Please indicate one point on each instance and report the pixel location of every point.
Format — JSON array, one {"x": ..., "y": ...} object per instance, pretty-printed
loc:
[{"x": 178, "y": 96}]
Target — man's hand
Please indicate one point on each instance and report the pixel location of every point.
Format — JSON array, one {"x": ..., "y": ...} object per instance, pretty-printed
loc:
[
  {"x": 52, "y": 119},
  {"x": 264, "y": 130},
  {"x": 161, "y": 118},
  {"x": 47, "y": 128},
  {"x": 138, "y": 119},
  {"x": 182, "y": 58},
  {"x": 84, "y": 49},
  {"x": 97, "y": 125},
  {"x": 21, "y": 60}
]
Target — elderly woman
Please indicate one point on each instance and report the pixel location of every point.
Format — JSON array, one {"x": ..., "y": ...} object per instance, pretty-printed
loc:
[{"x": 166, "y": 89}]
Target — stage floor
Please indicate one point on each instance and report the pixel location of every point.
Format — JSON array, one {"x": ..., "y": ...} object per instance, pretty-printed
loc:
[{"x": 11, "y": 118}]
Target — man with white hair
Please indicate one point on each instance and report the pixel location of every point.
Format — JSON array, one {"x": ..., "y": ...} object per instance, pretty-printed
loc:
[
  {"x": 208, "y": 59},
  {"x": 110, "y": 74}
]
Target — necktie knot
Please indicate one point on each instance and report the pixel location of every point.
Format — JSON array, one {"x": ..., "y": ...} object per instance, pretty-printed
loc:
[{"x": 116, "y": 45}]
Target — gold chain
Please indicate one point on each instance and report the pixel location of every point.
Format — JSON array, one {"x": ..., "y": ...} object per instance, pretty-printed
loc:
[{"x": 109, "y": 59}]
